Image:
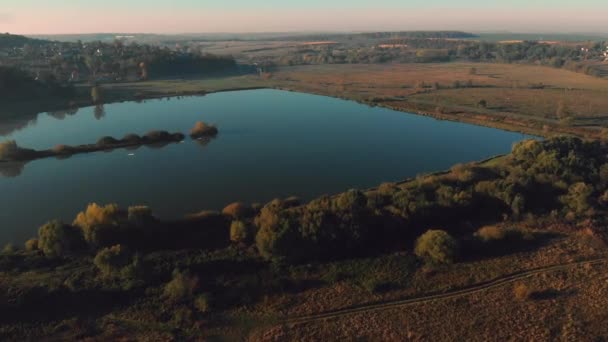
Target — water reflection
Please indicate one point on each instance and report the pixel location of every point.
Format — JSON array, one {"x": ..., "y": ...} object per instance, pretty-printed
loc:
[
  {"x": 62, "y": 114},
  {"x": 16, "y": 121},
  {"x": 99, "y": 112},
  {"x": 11, "y": 169}
]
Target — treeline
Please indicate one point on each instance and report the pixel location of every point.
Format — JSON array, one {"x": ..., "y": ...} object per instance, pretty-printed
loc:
[
  {"x": 98, "y": 61},
  {"x": 418, "y": 50},
  {"x": 381, "y": 35},
  {"x": 562, "y": 178},
  {"x": 18, "y": 85},
  {"x": 189, "y": 64},
  {"x": 8, "y": 41}
]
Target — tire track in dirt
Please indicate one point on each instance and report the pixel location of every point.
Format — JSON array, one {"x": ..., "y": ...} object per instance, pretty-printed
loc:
[{"x": 440, "y": 296}]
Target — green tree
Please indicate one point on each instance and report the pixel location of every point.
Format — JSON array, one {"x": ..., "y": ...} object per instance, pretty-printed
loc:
[
  {"x": 436, "y": 247},
  {"x": 578, "y": 198},
  {"x": 56, "y": 239}
]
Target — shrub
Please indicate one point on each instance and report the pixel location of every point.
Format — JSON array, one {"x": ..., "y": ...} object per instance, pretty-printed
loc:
[
  {"x": 107, "y": 141},
  {"x": 111, "y": 260},
  {"x": 63, "y": 149},
  {"x": 292, "y": 201},
  {"x": 9, "y": 248},
  {"x": 99, "y": 223},
  {"x": 139, "y": 215},
  {"x": 31, "y": 245},
  {"x": 157, "y": 135},
  {"x": 56, "y": 239},
  {"x": 182, "y": 287},
  {"x": 95, "y": 215},
  {"x": 351, "y": 200},
  {"x": 578, "y": 199},
  {"x": 202, "y": 129},
  {"x": 238, "y": 210},
  {"x": 240, "y": 232},
  {"x": 132, "y": 139},
  {"x": 276, "y": 236},
  {"x": 521, "y": 291},
  {"x": 9, "y": 150},
  {"x": 202, "y": 303},
  {"x": 491, "y": 233},
  {"x": 436, "y": 247},
  {"x": 482, "y": 104}
]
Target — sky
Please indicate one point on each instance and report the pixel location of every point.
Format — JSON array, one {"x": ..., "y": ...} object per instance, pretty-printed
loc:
[{"x": 200, "y": 16}]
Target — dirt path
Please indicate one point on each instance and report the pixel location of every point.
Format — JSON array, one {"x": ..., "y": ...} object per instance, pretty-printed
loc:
[{"x": 447, "y": 295}]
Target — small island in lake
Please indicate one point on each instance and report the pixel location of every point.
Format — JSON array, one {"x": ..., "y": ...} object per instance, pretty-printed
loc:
[
  {"x": 203, "y": 130},
  {"x": 11, "y": 152}
]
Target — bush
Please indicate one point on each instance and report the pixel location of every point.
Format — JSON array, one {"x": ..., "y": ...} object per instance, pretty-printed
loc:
[
  {"x": 132, "y": 139},
  {"x": 521, "y": 291},
  {"x": 9, "y": 150},
  {"x": 436, "y": 247},
  {"x": 96, "y": 215},
  {"x": 56, "y": 239},
  {"x": 352, "y": 200},
  {"x": 107, "y": 141},
  {"x": 201, "y": 129},
  {"x": 31, "y": 245},
  {"x": 63, "y": 149},
  {"x": 490, "y": 233},
  {"x": 140, "y": 215},
  {"x": 99, "y": 223},
  {"x": 157, "y": 135},
  {"x": 578, "y": 198},
  {"x": 202, "y": 303},
  {"x": 238, "y": 210},
  {"x": 276, "y": 236},
  {"x": 240, "y": 232},
  {"x": 9, "y": 248},
  {"x": 182, "y": 287},
  {"x": 111, "y": 260}
]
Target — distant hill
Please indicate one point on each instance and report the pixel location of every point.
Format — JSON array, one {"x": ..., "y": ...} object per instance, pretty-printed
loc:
[
  {"x": 382, "y": 35},
  {"x": 11, "y": 40}
]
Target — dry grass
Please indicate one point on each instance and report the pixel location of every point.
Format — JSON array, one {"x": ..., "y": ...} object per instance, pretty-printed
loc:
[
  {"x": 511, "y": 312},
  {"x": 515, "y": 94}
]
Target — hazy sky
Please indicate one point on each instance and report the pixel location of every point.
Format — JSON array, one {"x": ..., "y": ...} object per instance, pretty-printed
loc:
[{"x": 182, "y": 16}]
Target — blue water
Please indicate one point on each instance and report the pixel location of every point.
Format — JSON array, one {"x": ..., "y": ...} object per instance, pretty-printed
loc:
[{"x": 271, "y": 144}]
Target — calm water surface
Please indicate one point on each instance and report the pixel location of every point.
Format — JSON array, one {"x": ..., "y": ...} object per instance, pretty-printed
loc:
[{"x": 271, "y": 144}]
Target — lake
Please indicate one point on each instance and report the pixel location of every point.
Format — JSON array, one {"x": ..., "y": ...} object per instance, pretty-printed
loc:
[{"x": 271, "y": 144}]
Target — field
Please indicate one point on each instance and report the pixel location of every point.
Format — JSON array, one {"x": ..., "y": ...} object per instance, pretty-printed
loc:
[{"x": 522, "y": 96}]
